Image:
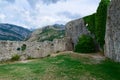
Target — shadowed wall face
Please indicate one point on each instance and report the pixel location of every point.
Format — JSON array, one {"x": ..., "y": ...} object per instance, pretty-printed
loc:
[{"x": 112, "y": 38}]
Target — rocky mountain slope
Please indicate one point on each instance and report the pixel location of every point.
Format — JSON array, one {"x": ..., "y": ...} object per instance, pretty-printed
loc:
[
  {"x": 48, "y": 33},
  {"x": 13, "y": 33}
]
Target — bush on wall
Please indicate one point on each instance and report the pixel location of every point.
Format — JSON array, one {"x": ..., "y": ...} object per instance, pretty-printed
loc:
[
  {"x": 23, "y": 47},
  {"x": 15, "y": 57}
]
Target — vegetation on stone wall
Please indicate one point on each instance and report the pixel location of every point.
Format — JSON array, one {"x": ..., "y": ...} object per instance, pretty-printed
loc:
[
  {"x": 23, "y": 47},
  {"x": 90, "y": 22},
  {"x": 100, "y": 22},
  {"x": 85, "y": 45},
  {"x": 96, "y": 23},
  {"x": 15, "y": 57}
]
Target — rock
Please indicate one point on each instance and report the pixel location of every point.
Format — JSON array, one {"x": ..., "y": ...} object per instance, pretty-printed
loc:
[
  {"x": 74, "y": 30},
  {"x": 112, "y": 38}
]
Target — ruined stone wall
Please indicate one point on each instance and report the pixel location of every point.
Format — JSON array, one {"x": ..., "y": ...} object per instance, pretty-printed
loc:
[
  {"x": 31, "y": 49},
  {"x": 112, "y": 38},
  {"x": 74, "y": 30}
]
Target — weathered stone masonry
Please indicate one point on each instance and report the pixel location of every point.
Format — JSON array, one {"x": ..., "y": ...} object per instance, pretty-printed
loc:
[
  {"x": 31, "y": 49},
  {"x": 112, "y": 38},
  {"x": 75, "y": 29}
]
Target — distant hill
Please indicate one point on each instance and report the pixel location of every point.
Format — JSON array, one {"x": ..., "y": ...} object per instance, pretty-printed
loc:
[
  {"x": 48, "y": 33},
  {"x": 13, "y": 32}
]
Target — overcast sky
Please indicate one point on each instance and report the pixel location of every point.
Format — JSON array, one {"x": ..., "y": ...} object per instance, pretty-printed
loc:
[{"x": 39, "y": 13}]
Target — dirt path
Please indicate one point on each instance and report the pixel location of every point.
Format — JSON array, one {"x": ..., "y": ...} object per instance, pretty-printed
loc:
[{"x": 95, "y": 57}]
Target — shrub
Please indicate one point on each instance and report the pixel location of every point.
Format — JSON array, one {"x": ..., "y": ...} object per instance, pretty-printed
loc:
[
  {"x": 29, "y": 57},
  {"x": 57, "y": 51},
  {"x": 48, "y": 55},
  {"x": 23, "y": 47},
  {"x": 15, "y": 57},
  {"x": 85, "y": 45}
]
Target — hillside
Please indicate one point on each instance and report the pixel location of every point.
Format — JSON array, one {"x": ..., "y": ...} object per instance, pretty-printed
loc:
[
  {"x": 13, "y": 33},
  {"x": 48, "y": 33}
]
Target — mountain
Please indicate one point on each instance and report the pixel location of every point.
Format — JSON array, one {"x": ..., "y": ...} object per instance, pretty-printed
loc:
[
  {"x": 49, "y": 33},
  {"x": 13, "y": 32}
]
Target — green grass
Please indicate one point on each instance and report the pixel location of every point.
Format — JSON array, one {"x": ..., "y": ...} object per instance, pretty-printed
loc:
[{"x": 62, "y": 67}]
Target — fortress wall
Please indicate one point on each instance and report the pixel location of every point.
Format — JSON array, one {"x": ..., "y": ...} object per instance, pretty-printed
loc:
[{"x": 30, "y": 49}]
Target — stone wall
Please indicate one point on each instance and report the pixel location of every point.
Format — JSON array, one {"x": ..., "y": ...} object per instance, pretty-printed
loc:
[
  {"x": 30, "y": 49},
  {"x": 74, "y": 30},
  {"x": 112, "y": 38}
]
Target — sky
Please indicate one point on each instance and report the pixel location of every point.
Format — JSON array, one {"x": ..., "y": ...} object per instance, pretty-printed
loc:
[{"x": 34, "y": 14}]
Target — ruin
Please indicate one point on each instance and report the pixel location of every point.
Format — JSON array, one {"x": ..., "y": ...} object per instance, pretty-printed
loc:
[
  {"x": 112, "y": 39},
  {"x": 74, "y": 29},
  {"x": 26, "y": 49}
]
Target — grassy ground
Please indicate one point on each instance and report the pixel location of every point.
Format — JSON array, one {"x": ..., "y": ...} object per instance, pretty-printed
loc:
[{"x": 61, "y": 67}]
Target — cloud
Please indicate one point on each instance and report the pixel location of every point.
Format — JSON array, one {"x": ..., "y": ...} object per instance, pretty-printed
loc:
[
  {"x": 32, "y": 2},
  {"x": 51, "y": 1},
  {"x": 2, "y": 17},
  {"x": 10, "y": 1},
  {"x": 69, "y": 15},
  {"x": 46, "y": 2},
  {"x": 39, "y": 13}
]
